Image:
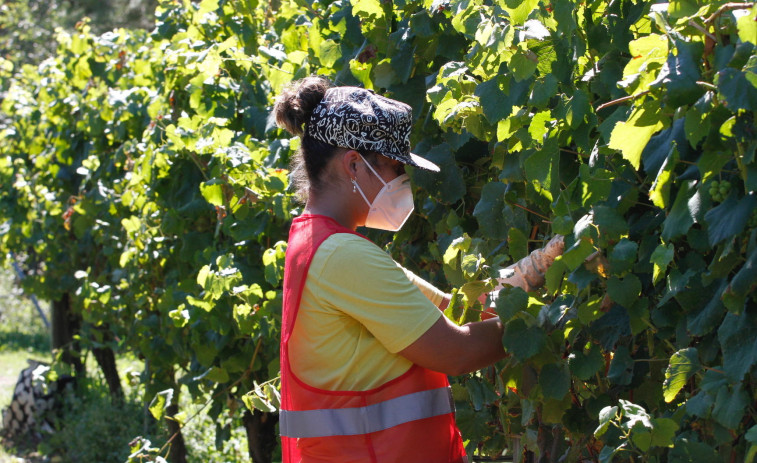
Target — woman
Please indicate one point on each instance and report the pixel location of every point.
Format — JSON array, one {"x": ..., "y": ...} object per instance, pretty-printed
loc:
[{"x": 365, "y": 350}]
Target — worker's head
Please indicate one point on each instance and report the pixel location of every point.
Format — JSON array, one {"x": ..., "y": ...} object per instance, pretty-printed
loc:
[{"x": 334, "y": 121}]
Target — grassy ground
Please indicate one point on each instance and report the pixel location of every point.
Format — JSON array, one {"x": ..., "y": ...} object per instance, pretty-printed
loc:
[{"x": 94, "y": 429}]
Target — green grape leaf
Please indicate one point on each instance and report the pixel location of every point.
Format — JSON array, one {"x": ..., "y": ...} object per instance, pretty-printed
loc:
[
  {"x": 663, "y": 145},
  {"x": 159, "y": 403},
  {"x": 517, "y": 244},
  {"x": 553, "y": 410},
  {"x": 621, "y": 367},
  {"x": 577, "y": 109},
  {"x": 623, "y": 256},
  {"x": 542, "y": 167},
  {"x": 751, "y": 435},
  {"x": 606, "y": 415},
  {"x": 747, "y": 28},
  {"x": 493, "y": 100},
  {"x": 576, "y": 255},
  {"x": 729, "y": 218},
  {"x": 519, "y": 10},
  {"x": 612, "y": 225},
  {"x": 212, "y": 191},
  {"x": 745, "y": 279},
  {"x": 523, "y": 341},
  {"x": 217, "y": 375},
  {"x": 659, "y": 193},
  {"x": 682, "y": 8},
  {"x": 367, "y": 9},
  {"x": 448, "y": 184},
  {"x": 554, "y": 380},
  {"x": 663, "y": 432},
  {"x": 254, "y": 402},
  {"x": 584, "y": 366},
  {"x": 523, "y": 64},
  {"x": 329, "y": 52},
  {"x": 510, "y": 301},
  {"x": 611, "y": 326},
  {"x": 631, "y": 137},
  {"x": 481, "y": 393},
  {"x": 661, "y": 257},
  {"x": 680, "y": 74},
  {"x": 539, "y": 125},
  {"x": 492, "y": 212},
  {"x": 739, "y": 345},
  {"x": 683, "y": 365},
  {"x": 703, "y": 320},
  {"x": 738, "y": 88},
  {"x": 684, "y": 211},
  {"x": 730, "y": 406},
  {"x": 692, "y": 451}
]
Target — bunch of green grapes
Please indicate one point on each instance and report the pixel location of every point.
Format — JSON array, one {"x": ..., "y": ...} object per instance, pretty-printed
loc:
[{"x": 719, "y": 190}]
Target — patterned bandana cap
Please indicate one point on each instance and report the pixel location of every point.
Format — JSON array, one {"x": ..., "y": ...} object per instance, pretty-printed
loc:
[{"x": 356, "y": 118}]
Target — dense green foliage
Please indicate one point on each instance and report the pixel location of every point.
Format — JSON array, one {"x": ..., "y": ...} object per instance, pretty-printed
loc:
[
  {"x": 27, "y": 27},
  {"x": 144, "y": 176}
]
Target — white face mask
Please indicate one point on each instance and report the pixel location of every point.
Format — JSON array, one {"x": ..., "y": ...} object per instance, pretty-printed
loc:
[{"x": 392, "y": 205}]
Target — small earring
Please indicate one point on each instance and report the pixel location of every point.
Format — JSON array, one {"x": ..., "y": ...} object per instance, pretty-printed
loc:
[{"x": 354, "y": 186}]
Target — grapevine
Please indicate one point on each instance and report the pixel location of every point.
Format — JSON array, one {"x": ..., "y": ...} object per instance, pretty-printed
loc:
[{"x": 143, "y": 181}]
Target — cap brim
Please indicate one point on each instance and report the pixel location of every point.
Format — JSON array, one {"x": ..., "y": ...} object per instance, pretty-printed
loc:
[{"x": 423, "y": 163}]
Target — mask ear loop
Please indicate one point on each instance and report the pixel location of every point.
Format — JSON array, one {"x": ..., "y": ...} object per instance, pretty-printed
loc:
[
  {"x": 355, "y": 186},
  {"x": 372, "y": 170}
]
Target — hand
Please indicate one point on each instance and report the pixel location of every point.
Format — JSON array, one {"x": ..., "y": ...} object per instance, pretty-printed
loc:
[{"x": 528, "y": 273}]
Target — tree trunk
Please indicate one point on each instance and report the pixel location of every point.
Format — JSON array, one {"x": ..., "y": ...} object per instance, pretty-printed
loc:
[
  {"x": 65, "y": 324},
  {"x": 261, "y": 434},
  {"x": 107, "y": 361},
  {"x": 178, "y": 452},
  {"x": 551, "y": 441}
]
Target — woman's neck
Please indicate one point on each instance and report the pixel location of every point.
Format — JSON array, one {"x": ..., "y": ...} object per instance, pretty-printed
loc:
[{"x": 336, "y": 206}]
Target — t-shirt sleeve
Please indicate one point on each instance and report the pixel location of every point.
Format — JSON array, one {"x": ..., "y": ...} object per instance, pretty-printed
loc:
[{"x": 361, "y": 280}]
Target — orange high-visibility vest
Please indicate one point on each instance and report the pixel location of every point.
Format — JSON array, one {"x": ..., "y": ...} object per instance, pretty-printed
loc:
[{"x": 408, "y": 419}]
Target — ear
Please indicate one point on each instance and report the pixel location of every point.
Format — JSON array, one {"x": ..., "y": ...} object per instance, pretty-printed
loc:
[{"x": 350, "y": 160}]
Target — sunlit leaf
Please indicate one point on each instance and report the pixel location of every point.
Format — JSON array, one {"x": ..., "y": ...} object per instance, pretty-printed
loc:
[{"x": 683, "y": 365}]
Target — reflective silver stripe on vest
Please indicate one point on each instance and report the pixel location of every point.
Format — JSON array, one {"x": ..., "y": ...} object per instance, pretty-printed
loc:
[{"x": 363, "y": 420}]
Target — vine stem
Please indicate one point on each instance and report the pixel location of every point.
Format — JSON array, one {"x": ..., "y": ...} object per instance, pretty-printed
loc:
[
  {"x": 727, "y": 7},
  {"x": 701, "y": 29},
  {"x": 621, "y": 100},
  {"x": 713, "y": 369},
  {"x": 573, "y": 152},
  {"x": 707, "y": 85},
  {"x": 529, "y": 210}
]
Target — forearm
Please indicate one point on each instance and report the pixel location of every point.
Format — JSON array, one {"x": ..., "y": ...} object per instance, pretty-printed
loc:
[
  {"x": 456, "y": 350},
  {"x": 483, "y": 345}
]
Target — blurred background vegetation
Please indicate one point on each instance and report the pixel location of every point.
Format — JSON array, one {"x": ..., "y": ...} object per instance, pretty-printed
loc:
[
  {"x": 96, "y": 430},
  {"x": 27, "y": 27}
]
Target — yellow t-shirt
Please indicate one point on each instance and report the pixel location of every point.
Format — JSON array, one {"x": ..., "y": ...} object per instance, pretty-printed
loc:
[{"x": 358, "y": 309}]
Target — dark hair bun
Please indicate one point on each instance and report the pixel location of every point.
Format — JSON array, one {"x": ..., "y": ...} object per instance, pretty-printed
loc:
[{"x": 297, "y": 102}]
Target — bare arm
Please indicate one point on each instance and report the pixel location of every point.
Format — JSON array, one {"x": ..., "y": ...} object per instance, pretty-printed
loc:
[{"x": 456, "y": 350}]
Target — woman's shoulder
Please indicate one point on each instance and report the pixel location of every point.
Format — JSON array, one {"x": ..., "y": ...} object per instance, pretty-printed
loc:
[
  {"x": 348, "y": 250},
  {"x": 350, "y": 243}
]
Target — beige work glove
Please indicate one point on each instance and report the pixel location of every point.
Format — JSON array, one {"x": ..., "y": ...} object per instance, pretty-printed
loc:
[{"x": 528, "y": 273}]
